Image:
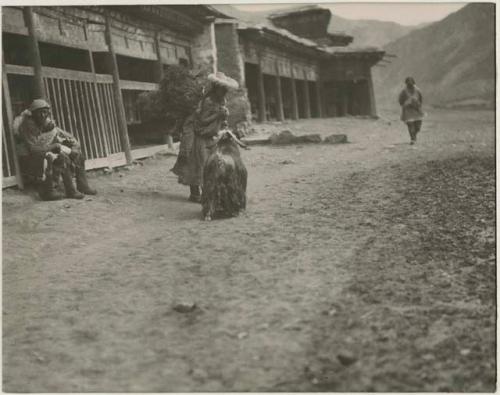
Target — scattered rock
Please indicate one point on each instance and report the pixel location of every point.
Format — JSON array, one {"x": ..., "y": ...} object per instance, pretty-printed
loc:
[
  {"x": 263, "y": 326},
  {"x": 283, "y": 137},
  {"x": 308, "y": 138},
  {"x": 336, "y": 139},
  {"x": 428, "y": 357},
  {"x": 67, "y": 205},
  {"x": 185, "y": 307},
  {"x": 315, "y": 381},
  {"x": 38, "y": 357},
  {"x": 287, "y": 162},
  {"x": 107, "y": 170},
  {"x": 332, "y": 312},
  {"x": 242, "y": 335},
  {"x": 89, "y": 199},
  {"x": 464, "y": 352},
  {"x": 346, "y": 358},
  {"x": 287, "y": 137}
]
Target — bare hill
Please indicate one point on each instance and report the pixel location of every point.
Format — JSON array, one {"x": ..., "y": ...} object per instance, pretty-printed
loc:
[{"x": 453, "y": 60}]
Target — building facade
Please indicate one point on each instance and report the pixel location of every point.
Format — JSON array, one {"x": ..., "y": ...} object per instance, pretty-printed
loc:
[
  {"x": 293, "y": 68},
  {"x": 92, "y": 62}
]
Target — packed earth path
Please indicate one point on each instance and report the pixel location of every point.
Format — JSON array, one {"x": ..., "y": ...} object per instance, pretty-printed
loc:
[{"x": 367, "y": 266}]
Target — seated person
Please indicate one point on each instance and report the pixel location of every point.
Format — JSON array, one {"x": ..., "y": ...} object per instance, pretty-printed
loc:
[{"x": 48, "y": 152}]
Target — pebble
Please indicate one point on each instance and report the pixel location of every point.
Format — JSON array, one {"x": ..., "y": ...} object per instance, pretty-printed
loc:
[
  {"x": 346, "y": 358},
  {"x": 185, "y": 307},
  {"x": 38, "y": 357},
  {"x": 464, "y": 352},
  {"x": 242, "y": 335},
  {"x": 428, "y": 357}
]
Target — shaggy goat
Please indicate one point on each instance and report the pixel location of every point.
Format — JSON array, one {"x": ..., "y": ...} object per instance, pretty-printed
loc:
[{"x": 224, "y": 179}]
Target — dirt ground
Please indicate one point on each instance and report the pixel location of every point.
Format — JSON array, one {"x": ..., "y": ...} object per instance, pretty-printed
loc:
[{"x": 367, "y": 266}]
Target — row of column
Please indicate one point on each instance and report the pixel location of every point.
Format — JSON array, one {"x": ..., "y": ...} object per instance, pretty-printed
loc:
[{"x": 262, "y": 116}]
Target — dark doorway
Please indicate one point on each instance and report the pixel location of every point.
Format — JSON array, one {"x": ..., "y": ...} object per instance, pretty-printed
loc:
[
  {"x": 287, "y": 94},
  {"x": 313, "y": 99},
  {"x": 301, "y": 101},
  {"x": 251, "y": 82},
  {"x": 270, "y": 93}
]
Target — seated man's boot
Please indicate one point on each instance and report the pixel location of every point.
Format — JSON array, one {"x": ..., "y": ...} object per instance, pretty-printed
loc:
[
  {"x": 69, "y": 187},
  {"x": 82, "y": 183}
]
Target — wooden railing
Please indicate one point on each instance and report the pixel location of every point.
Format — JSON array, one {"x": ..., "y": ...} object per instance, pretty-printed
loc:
[{"x": 84, "y": 107}]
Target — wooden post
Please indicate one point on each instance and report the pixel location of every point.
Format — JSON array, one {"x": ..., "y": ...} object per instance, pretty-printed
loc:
[
  {"x": 295, "y": 102},
  {"x": 36, "y": 60},
  {"x": 307, "y": 99},
  {"x": 120, "y": 109},
  {"x": 279, "y": 96},
  {"x": 318, "y": 99},
  {"x": 262, "y": 93},
  {"x": 371, "y": 94},
  {"x": 159, "y": 77},
  {"x": 159, "y": 63},
  {"x": 10, "y": 119}
]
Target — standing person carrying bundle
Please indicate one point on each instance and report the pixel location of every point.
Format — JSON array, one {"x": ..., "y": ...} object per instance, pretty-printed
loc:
[{"x": 209, "y": 118}]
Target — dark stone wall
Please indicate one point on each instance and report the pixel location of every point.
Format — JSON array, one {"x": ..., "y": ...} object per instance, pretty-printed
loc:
[
  {"x": 230, "y": 62},
  {"x": 229, "y": 59}
]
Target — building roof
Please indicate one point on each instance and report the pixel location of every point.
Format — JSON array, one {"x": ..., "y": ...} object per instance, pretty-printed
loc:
[
  {"x": 353, "y": 49},
  {"x": 296, "y": 10},
  {"x": 282, "y": 32},
  {"x": 266, "y": 25}
]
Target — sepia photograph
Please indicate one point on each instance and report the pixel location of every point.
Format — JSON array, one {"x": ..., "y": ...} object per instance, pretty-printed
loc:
[{"x": 249, "y": 197}]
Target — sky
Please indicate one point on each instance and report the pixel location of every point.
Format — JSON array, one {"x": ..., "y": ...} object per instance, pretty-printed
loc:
[{"x": 402, "y": 13}]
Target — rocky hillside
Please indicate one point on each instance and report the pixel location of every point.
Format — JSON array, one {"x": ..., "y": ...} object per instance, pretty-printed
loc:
[{"x": 452, "y": 61}]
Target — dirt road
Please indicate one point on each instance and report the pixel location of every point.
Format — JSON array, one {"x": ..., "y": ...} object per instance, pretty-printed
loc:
[{"x": 364, "y": 266}]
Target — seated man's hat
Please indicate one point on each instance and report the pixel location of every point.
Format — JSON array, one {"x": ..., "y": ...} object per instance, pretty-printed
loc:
[
  {"x": 38, "y": 104},
  {"x": 220, "y": 78}
]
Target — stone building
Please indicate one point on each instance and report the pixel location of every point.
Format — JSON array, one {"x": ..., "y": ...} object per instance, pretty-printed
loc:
[
  {"x": 90, "y": 63},
  {"x": 291, "y": 66}
]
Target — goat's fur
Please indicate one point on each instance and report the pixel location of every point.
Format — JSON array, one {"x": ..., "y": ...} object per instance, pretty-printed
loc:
[{"x": 224, "y": 180}]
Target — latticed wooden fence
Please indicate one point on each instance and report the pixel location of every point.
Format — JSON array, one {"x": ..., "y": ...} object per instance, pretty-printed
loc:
[{"x": 83, "y": 104}]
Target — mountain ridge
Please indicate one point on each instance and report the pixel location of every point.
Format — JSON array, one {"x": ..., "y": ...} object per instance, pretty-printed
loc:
[{"x": 452, "y": 60}]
